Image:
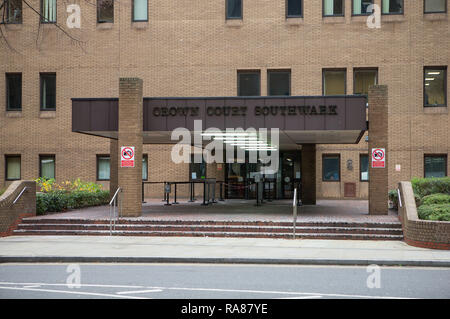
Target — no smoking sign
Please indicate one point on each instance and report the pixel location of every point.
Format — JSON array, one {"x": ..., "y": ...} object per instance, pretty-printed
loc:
[
  {"x": 127, "y": 156},
  {"x": 378, "y": 158}
]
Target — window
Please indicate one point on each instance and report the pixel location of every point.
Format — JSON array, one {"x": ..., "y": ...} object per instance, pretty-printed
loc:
[
  {"x": 249, "y": 83},
  {"x": 362, "y": 79},
  {"x": 105, "y": 11},
  {"x": 197, "y": 170},
  {"x": 13, "y": 91},
  {"x": 360, "y": 7},
  {"x": 294, "y": 8},
  {"x": 144, "y": 167},
  {"x": 234, "y": 9},
  {"x": 435, "y": 86},
  {"x": 12, "y": 167},
  {"x": 331, "y": 168},
  {"x": 333, "y": 7},
  {"x": 140, "y": 10},
  {"x": 11, "y": 11},
  {"x": 48, "y": 11},
  {"x": 435, "y": 165},
  {"x": 364, "y": 167},
  {"x": 48, "y": 91},
  {"x": 103, "y": 167},
  {"x": 334, "y": 82},
  {"x": 279, "y": 82},
  {"x": 392, "y": 7},
  {"x": 435, "y": 6},
  {"x": 47, "y": 166}
]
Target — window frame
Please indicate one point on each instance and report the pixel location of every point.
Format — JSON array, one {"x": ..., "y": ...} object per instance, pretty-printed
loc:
[
  {"x": 133, "y": 19},
  {"x": 41, "y": 75},
  {"x": 445, "y": 86},
  {"x": 98, "y": 9},
  {"x": 269, "y": 71},
  {"x": 234, "y": 18},
  {"x": 6, "y": 167},
  {"x": 436, "y": 155},
  {"x": 97, "y": 167},
  {"x": 331, "y": 155},
  {"x": 21, "y": 14},
  {"x": 333, "y": 15},
  {"x": 248, "y": 72},
  {"x": 431, "y": 12},
  {"x": 334, "y": 69},
  {"x": 361, "y": 14},
  {"x": 7, "y": 91},
  {"x": 363, "y": 69},
  {"x": 40, "y": 164},
  {"x": 288, "y": 16},
  {"x": 360, "y": 168},
  {"x": 146, "y": 157},
  {"x": 394, "y": 13},
  {"x": 41, "y": 16}
]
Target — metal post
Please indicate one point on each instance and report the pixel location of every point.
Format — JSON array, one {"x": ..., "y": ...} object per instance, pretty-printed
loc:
[
  {"x": 191, "y": 195},
  {"x": 294, "y": 208},
  {"x": 204, "y": 193},
  {"x": 221, "y": 192},
  {"x": 213, "y": 200},
  {"x": 175, "y": 195},
  {"x": 167, "y": 195}
]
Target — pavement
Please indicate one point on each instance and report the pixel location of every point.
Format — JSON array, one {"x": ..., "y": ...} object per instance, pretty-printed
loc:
[{"x": 216, "y": 250}]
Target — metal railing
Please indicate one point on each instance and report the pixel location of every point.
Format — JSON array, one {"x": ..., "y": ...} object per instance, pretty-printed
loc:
[
  {"x": 116, "y": 202},
  {"x": 20, "y": 195}
]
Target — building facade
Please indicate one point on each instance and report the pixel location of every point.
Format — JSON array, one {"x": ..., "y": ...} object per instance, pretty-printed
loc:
[{"x": 223, "y": 48}]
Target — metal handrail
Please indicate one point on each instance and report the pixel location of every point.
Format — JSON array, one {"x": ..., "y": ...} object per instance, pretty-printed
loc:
[
  {"x": 116, "y": 201},
  {"x": 20, "y": 195},
  {"x": 399, "y": 198}
]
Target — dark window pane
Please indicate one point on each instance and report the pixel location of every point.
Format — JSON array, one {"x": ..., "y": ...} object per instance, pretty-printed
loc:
[
  {"x": 234, "y": 8},
  {"x": 11, "y": 12},
  {"x": 48, "y": 10},
  {"x": 392, "y": 6},
  {"x": 145, "y": 167},
  {"x": 435, "y": 5},
  {"x": 435, "y": 87},
  {"x": 364, "y": 167},
  {"x": 294, "y": 8},
  {"x": 105, "y": 10},
  {"x": 330, "y": 168},
  {"x": 12, "y": 167},
  {"x": 279, "y": 83},
  {"x": 48, "y": 91},
  {"x": 198, "y": 170},
  {"x": 333, "y": 7},
  {"x": 435, "y": 166},
  {"x": 361, "y": 6},
  {"x": 47, "y": 166},
  {"x": 364, "y": 79},
  {"x": 14, "y": 91},
  {"x": 249, "y": 83},
  {"x": 334, "y": 82}
]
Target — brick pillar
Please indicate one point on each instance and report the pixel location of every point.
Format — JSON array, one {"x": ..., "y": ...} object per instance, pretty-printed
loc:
[
  {"x": 378, "y": 138},
  {"x": 130, "y": 134},
  {"x": 309, "y": 174},
  {"x": 113, "y": 164}
]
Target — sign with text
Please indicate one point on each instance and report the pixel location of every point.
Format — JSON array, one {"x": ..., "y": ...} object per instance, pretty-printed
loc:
[
  {"x": 378, "y": 158},
  {"x": 127, "y": 156}
]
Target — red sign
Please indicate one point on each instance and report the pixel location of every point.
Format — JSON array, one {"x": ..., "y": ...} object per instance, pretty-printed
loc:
[
  {"x": 378, "y": 158},
  {"x": 127, "y": 156}
]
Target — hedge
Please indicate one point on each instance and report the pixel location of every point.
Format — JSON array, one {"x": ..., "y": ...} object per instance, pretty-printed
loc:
[
  {"x": 58, "y": 201},
  {"x": 428, "y": 186},
  {"x": 436, "y": 199},
  {"x": 434, "y": 212}
]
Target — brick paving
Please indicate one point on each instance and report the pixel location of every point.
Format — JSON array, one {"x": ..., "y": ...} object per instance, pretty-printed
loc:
[{"x": 242, "y": 210}]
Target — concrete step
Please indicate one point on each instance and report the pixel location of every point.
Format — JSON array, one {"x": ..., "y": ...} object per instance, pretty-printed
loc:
[
  {"x": 210, "y": 234},
  {"x": 211, "y": 228}
]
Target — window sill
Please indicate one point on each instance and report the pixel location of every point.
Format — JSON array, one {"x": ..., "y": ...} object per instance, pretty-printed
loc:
[
  {"x": 435, "y": 110},
  {"x": 139, "y": 25},
  {"x": 359, "y": 18},
  {"x": 333, "y": 19},
  {"x": 294, "y": 21},
  {"x": 47, "y": 114},
  {"x": 105, "y": 25},
  {"x": 12, "y": 26},
  {"x": 234, "y": 23},
  {"x": 393, "y": 18},
  {"x": 435, "y": 16},
  {"x": 13, "y": 114}
]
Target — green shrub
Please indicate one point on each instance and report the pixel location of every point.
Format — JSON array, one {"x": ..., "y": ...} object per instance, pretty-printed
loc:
[
  {"x": 393, "y": 196},
  {"x": 436, "y": 199},
  {"x": 427, "y": 186},
  {"x": 439, "y": 212},
  {"x": 2, "y": 190}
]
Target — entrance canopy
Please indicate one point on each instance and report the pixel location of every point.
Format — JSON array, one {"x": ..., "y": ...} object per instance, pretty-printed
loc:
[{"x": 300, "y": 119}]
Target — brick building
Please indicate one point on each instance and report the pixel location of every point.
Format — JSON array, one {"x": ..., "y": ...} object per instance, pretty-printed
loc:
[{"x": 223, "y": 48}]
